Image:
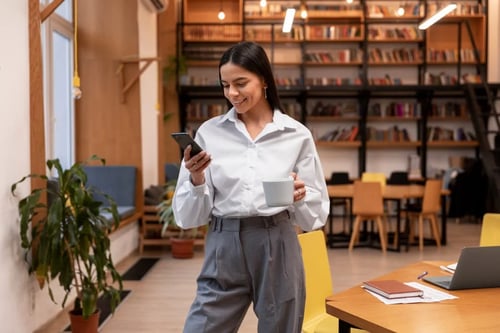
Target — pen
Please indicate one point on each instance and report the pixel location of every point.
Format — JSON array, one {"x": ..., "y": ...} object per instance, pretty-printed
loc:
[{"x": 422, "y": 275}]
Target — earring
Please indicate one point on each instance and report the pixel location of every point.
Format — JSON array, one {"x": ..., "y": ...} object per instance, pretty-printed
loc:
[{"x": 265, "y": 92}]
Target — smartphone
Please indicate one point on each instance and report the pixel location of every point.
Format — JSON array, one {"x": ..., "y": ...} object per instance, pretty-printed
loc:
[{"x": 184, "y": 140}]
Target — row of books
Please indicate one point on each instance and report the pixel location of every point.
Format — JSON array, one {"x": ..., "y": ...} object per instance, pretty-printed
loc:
[
  {"x": 470, "y": 8},
  {"x": 339, "y": 56},
  {"x": 396, "y": 109},
  {"x": 332, "y": 81},
  {"x": 212, "y": 32},
  {"x": 292, "y": 109},
  {"x": 205, "y": 110},
  {"x": 394, "y": 10},
  {"x": 387, "y": 80},
  {"x": 343, "y": 31},
  {"x": 341, "y": 134},
  {"x": 447, "y": 79},
  {"x": 392, "y": 134},
  {"x": 448, "y": 109},
  {"x": 265, "y": 33},
  {"x": 438, "y": 133},
  {"x": 196, "y": 52},
  {"x": 451, "y": 55},
  {"x": 392, "y": 33},
  {"x": 288, "y": 81},
  {"x": 337, "y": 109},
  {"x": 397, "y": 55}
]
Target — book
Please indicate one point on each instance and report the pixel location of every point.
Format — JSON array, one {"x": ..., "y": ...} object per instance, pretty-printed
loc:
[{"x": 392, "y": 289}]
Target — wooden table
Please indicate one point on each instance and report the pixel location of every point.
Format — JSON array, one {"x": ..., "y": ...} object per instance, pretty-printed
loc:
[
  {"x": 397, "y": 193},
  {"x": 475, "y": 310}
]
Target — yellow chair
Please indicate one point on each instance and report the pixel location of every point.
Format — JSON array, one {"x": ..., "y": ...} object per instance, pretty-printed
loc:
[
  {"x": 431, "y": 206},
  {"x": 318, "y": 284},
  {"x": 490, "y": 230},
  {"x": 368, "y": 205},
  {"x": 374, "y": 177}
]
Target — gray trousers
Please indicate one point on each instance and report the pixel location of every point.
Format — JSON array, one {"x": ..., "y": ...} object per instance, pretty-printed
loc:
[{"x": 247, "y": 260}]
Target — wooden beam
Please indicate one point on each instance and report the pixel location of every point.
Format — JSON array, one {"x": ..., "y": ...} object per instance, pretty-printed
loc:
[
  {"x": 49, "y": 9},
  {"x": 126, "y": 86},
  {"x": 37, "y": 131}
]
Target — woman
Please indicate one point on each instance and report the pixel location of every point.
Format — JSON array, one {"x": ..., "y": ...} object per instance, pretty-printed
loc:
[{"x": 251, "y": 250}]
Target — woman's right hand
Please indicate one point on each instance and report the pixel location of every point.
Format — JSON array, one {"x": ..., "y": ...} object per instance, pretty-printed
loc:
[{"x": 196, "y": 165}]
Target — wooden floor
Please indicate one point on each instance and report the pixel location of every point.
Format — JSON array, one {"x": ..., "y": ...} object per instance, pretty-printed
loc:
[{"x": 160, "y": 301}]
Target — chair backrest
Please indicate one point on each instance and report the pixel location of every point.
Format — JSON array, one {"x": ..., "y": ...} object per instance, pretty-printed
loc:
[
  {"x": 398, "y": 178},
  {"x": 171, "y": 171},
  {"x": 490, "y": 230},
  {"x": 339, "y": 178},
  {"x": 431, "y": 203},
  {"x": 374, "y": 177},
  {"x": 317, "y": 273},
  {"x": 367, "y": 198}
]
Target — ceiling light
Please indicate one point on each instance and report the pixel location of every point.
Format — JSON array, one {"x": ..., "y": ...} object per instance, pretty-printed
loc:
[
  {"x": 221, "y": 15},
  {"x": 303, "y": 10},
  {"x": 288, "y": 22},
  {"x": 400, "y": 11},
  {"x": 437, "y": 16},
  {"x": 263, "y": 3},
  {"x": 348, "y": 1}
]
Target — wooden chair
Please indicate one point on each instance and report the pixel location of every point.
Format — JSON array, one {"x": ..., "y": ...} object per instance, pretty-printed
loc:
[
  {"x": 431, "y": 206},
  {"x": 368, "y": 205},
  {"x": 490, "y": 230},
  {"x": 318, "y": 284}
]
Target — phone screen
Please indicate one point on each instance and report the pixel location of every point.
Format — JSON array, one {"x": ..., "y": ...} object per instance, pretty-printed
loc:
[{"x": 184, "y": 140}]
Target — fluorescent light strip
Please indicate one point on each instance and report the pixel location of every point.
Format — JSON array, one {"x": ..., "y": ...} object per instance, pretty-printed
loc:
[
  {"x": 289, "y": 16},
  {"x": 437, "y": 16}
]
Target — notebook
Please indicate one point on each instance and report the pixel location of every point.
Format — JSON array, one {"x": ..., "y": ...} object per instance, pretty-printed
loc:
[
  {"x": 392, "y": 288},
  {"x": 477, "y": 267}
]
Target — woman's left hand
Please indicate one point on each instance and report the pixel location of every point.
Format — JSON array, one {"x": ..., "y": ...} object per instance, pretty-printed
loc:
[{"x": 299, "y": 192}]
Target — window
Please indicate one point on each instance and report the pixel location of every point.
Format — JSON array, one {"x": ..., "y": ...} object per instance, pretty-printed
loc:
[{"x": 57, "y": 48}]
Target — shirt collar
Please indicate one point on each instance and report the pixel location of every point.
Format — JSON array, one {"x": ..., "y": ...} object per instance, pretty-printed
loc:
[{"x": 280, "y": 120}]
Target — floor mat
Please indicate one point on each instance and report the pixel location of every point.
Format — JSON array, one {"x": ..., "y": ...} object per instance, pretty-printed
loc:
[
  {"x": 139, "y": 269},
  {"x": 104, "y": 305}
]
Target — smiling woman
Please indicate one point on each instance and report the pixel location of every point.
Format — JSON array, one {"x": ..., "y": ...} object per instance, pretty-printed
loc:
[{"x": 223, "y": 185}]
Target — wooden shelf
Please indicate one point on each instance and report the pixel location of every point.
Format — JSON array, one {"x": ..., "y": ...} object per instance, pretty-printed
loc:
[{"x": 452, "y": 144}]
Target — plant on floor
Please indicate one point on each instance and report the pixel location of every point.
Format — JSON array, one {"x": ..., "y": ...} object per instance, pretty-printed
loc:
[
  {"x": 67, "y": 236},
  {"x": 166, "y": 214}
]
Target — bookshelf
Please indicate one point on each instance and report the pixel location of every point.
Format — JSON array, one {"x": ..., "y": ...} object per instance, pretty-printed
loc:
[{"x": 357, "y": 56}]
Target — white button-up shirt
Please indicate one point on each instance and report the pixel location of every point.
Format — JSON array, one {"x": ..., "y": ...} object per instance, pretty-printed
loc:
[{"x": 233, "y": 180}]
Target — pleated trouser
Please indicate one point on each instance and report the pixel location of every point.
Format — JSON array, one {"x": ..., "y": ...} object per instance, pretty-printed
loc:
[{"x": 250, "y": 260}]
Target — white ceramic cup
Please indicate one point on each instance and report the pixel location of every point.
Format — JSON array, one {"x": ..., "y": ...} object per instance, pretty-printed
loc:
[{"x": 278, "y": 191}]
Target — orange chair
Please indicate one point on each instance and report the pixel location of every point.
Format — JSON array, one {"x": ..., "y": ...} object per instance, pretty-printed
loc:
[
  {"x": 368, "y": 205},
  {"x": 431, "y": 206}
]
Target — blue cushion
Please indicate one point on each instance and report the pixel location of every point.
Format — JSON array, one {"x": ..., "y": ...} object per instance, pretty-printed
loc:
[
  {"x": 117, "y": 181},
  {"x": 123, "y": 212}
]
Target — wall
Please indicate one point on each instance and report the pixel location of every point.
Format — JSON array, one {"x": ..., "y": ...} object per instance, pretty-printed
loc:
[{"x": 15, "y": 300}]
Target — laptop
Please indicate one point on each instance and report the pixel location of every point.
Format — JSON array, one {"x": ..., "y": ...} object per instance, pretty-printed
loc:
[{"x": 477, "y": 267}]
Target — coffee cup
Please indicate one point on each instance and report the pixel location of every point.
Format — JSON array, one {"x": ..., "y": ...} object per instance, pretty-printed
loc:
[{"x": 278, "y": 191}]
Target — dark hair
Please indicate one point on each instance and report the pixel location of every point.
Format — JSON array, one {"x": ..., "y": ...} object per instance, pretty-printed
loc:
[{"x": 253, "y": 58}]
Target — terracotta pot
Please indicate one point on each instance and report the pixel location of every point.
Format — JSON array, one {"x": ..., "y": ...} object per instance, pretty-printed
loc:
[
  {"x": 81, "y": 325},
  {"x": 182, "y": 248}
]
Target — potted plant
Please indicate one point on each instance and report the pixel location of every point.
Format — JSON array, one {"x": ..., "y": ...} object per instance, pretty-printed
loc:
[
  {"x": 181, "y": 240},
  {"x": 66, "y": 238},
  {"x": 176, "y": 66}
]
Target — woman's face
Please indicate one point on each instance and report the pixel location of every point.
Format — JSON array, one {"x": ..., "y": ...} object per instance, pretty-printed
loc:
[{"x": 244, "y": 89}]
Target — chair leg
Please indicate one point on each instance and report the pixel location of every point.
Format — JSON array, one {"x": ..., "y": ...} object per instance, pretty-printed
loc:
[
  {"x": 435, "y": 231},
  {"x": 355, "y": 233},
  {"x": 421, "y": 232},
  {"x": 382, "y": 233}
]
